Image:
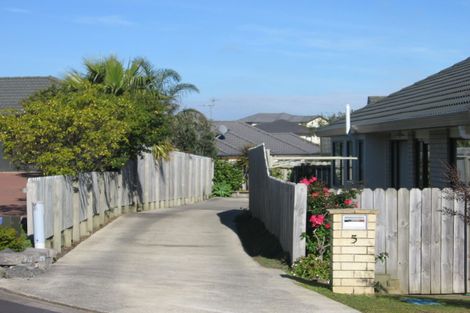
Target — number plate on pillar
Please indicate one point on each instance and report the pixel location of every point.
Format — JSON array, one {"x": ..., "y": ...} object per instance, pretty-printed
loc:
[{"x": 354, "y": 222}]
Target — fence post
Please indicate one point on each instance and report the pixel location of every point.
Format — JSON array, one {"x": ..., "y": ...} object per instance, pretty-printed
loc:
[
  {"x": 75, "y": 212},
  {"x": 57, "y": 209}
]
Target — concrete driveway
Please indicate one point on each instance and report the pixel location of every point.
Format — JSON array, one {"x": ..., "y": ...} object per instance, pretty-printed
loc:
[{"x": 185, "y": 259}]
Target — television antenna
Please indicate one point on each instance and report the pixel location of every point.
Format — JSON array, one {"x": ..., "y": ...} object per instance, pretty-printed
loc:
[{"x": 211, "y": 107}]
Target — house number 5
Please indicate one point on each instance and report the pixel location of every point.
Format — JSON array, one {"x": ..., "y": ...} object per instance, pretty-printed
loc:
[{"x": 354, "y": 238}]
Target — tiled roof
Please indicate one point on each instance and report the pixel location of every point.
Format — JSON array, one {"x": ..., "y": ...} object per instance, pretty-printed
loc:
[
  {"x": 271, "y": 117},
  {"x": 15, "y": 89},
  {"x": 440, "y": 100},
  {"x": 283, "y": 126},
  {"x": 241, "y": 135}
]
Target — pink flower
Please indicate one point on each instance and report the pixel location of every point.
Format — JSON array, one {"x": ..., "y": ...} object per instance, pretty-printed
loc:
[
  {"x": 304, "y": 181},
  {"x": 327, "y": 226},
  {"x": 348, "y": 202},
  {"x": 317, "y": 220},
  {"x": 313, "y": 179},
  {"x": 315, "y": 194}
]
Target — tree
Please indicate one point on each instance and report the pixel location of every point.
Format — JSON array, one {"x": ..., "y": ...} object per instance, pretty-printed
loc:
[
  {"x": 192, "y": 133},
  {"x": 66, "y": 133},
  {"x": 94, "y": 121},
  {"x": 138, "y": 76}
]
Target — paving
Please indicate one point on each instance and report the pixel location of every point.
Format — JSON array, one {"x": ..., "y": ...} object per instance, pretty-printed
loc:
[
  {"x": 12, "y": 303},
  {"x": 184, "y": 259}
]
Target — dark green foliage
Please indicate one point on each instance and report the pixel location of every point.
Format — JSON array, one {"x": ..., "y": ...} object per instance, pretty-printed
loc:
[
  {"x": 95, "y": 121},
  {"x": 311, "y": 267},
  {"x": 192, "y": 133},
  {"x": 9, "y": 238},
  {"x": 318, "y": 235},
  {"x": 229, "y": 173},
  {"x": 277, "y": 172},
  {"x": 222, "y": 189}
]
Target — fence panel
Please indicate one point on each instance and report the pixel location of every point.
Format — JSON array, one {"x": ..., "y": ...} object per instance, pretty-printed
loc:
[
  {"x": 424, "y": 244},
  {"x": 436, "y": 205},
  {"x": 447, "y": 247},
  {"x": 415, "y": 241},
  {"x": 379, "y": 204},
  {"x": 391, "y": 231},
  {"x": 141, "y": 182},
  {"x": 459, "y": 257},
  {"x": 281, "y": 206},
  {"x": 426, "y": 235}
]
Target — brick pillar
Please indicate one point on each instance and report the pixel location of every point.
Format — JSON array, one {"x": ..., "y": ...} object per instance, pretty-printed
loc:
[{"x": 353, "y": 251}]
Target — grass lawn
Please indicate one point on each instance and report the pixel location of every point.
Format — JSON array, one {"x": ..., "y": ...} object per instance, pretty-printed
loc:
[{"x": 265, "y": 249}]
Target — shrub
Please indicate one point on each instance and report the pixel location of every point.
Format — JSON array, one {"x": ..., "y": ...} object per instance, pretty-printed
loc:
[
  {"x": 10, "y": 238},
  {"x": 311, "y": 267},
  {"x": 318, "y": 235},
  {"x": 228, "y": 173},
  {"x": 222, "y": 189}
]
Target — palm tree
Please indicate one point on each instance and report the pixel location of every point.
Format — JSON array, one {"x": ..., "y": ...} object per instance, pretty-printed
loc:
[{"x": 138, "y": 75}]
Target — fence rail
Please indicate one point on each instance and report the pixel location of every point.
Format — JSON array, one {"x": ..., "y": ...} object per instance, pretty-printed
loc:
[
  {"x": 281, "y": 206},
  {"x": 425, "y": 246},
  {"x": 73, "y": 209}
]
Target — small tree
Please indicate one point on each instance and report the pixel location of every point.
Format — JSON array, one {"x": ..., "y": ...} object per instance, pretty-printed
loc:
[
  {"x": 192, "y": 133},
  {"x": 226, "y": 173},
  {"x": 460, "y": 192},
  {"x": 65, "y": 133}
]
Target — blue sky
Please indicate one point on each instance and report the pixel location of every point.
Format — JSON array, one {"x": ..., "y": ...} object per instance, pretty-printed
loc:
[{"x": 301, "y": 57}]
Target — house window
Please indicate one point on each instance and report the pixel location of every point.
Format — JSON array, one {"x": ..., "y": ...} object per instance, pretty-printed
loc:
[
  {"x": 349, "y": 167},
  {"x": 395, "y": 163},
  {"x": 422, "y": 170},
  {"x": 461, "y": 159},
  {"x": 360, "y": 155},
  {"x": 337, "y": 164}
]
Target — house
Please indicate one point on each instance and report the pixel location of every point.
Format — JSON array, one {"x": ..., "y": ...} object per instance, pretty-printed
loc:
[
  {"x": 407, "y": 138},
  {"x": 283, "y": 126},
  {"x": 301, "y": 125},
  {"x": 305, "y": 120},
  {"x": 13, "y": 90},
  {"x": 238, "y": 136}
]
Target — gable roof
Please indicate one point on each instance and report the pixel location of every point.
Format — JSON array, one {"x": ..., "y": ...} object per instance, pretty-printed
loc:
[
  {"x": 283, "y": 126},
  {"x": 440, "y": 100},
  {"x": 241, "y": 135},
  {"x": 13, "y": 90},
  {"x": 271, "y": 117}
]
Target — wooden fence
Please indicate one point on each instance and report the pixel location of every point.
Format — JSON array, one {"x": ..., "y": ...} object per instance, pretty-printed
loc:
[
  {"x": 280, "y": 205},
  {"x": 425, "y": 246},
  {"x": 73, "y": 209}
]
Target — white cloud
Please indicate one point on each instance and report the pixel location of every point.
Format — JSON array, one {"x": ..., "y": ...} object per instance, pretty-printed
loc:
[
  {"x": 109, "y": 20},
  {"x": 17, "y": 10},
  {"x": 300, "y": 43}
]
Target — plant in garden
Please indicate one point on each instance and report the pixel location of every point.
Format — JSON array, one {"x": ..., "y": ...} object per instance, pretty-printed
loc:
[
  {"x": 320, "y": 199},
  {"x": 192, "y": 133},
  {"x": 10, "y": 238},
  {"x": 222, "y": 189},
  {"x": 318, "y": 236},
  {"x": 311, "y": 267},
  {"x": 96, "y": 120},
  {"x": 229, "y": 173}
]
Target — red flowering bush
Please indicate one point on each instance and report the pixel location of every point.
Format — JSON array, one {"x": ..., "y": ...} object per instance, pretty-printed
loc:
[
  {"x": 318, "y": 236},
  {"x": 320, "y": 199}
]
